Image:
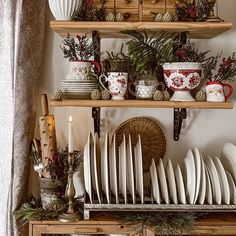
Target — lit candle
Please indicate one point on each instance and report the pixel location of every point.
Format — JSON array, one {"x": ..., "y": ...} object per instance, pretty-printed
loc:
[{"x": 70, "y": 135}]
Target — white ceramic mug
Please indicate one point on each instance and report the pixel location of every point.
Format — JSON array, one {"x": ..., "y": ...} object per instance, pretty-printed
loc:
[
  {"x": 144, "y": 89},
  {"x": 117, "y": 84},
  {"x": 79, "y": 70},
  {"x": 215, "y": 91}
]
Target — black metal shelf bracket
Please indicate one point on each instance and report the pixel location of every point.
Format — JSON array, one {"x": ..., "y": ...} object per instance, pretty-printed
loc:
[
  {"x": 96, "y": 119},
  {"x": 179, "y": 116}
]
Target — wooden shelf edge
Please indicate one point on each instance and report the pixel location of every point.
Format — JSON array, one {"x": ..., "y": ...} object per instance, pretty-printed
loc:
[
  {"x": 112, "y": 29},
  {"x": 139, "y": 104}
]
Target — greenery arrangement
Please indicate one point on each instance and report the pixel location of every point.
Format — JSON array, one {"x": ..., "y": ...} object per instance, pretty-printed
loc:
[
  {"x": 32, "y": 210},
  {"x": 189, "y": 53},
  {"x": 190, "y": 10},
  {"x": 77, "y": 48},
  {"x": 161, "y": 223},
  {"x": 87, "y": 12},
  {"x": 148, "y": 51},
  {"x": 58, "y": 166},
  {"x": 226, "y": 69}
]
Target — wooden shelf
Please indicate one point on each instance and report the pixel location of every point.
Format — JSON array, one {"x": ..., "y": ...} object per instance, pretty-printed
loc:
[
  {"x": 139, "y": 104},
  {"x": 112, "y": 29}
]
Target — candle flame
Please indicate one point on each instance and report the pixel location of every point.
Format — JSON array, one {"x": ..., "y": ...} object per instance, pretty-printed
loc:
[{"x": 70, "y": 118}]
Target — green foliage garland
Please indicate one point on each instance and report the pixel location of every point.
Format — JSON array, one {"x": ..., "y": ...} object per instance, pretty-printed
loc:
[
  {"x": 162, "y": 223},
  {"x": 33, "y": 210}
]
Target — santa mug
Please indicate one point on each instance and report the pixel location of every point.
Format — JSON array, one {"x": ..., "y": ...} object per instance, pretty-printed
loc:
[
  {"x": 117, "y": 84},
  {"x": 215, "y": 91}
]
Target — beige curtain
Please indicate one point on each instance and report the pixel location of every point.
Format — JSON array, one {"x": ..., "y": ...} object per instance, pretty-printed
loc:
[{"x": 22, "y": 32}]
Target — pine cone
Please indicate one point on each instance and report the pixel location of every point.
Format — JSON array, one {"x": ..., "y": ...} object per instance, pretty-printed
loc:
[
  {"x": 166, "y": 95},
  {"x": 158, "y": 95},
  {"x": 200, "y": 96},
  {"x": 119, "y": 17},
  {"x": 175, "y": 17},
  {"x": 110, "y": 16},
  {"x": 96, "y": 94},
  {"x": 167, "y": 17},
  {"x": 105, "y": 95},
  {"x": 158, "y": 17},
  {"x": 58, "y": 94}
]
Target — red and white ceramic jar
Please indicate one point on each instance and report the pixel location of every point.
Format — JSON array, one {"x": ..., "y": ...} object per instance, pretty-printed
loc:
[{"x": 182, "y": 77}]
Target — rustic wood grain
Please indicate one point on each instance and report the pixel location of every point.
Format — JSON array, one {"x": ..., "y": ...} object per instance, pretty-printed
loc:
[
  {"x": 140, "y": 104},
  {"x": 112, "y": 29}
]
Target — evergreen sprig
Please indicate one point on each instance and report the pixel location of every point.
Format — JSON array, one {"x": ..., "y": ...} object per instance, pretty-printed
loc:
[
  {"x": 32, "y": 210},
  {"x": 161, "y": 223},
  {"x": 148, "y": 51},
  {"x": 77, "y": 48},
  {"x": 188, "y": 10}
]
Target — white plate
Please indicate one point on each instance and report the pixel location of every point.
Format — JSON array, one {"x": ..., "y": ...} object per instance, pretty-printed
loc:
[
  {"x": 87, "y": 169},
  {"x": 180, "y": 185},
  {"x": 216, "y": 190},
  {"x": 95, "y": 161},
  {"x": 190, "y": 177},
  {"x": 209, "y": 197},
  {"x": 78, "y": 81},
  {"x": 130, "y": 170},
  {"x": 171, "y": 182},
  {"x": 163, "y": 182},
  {"x": 202, "y": 191},
  {"x": 223, "y": 181},
  {"x": 232, "y": 187},
  {"x": 104, "y": 168},
  {"x": 122, "y": 169},
  {"x": 228, "y": 159},
  {"x": 155, "y": 184},
  {"x": 113, "y": 169},
  {"x": 197, "y": 162},
  {"x": 139, "y": 169}
]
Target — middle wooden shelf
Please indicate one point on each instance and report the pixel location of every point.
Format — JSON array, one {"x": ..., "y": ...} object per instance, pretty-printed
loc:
[{"x": 139, "y": 104}]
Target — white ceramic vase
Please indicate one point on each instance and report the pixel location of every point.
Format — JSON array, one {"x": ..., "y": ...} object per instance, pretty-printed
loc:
[{"x": 64, "y": 9}]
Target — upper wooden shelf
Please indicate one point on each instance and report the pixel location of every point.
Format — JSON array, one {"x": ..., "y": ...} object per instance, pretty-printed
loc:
[
  {"x": 139, "y": 104},
  {"x": 112, "y": 29}
]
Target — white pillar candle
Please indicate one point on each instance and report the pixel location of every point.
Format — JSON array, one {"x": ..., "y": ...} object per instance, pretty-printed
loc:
[{"x": 70, "y": 135}]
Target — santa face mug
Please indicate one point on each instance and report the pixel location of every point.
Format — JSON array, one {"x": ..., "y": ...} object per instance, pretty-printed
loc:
[
  {"x": 117, "y": 84},
  {"x": 215, "y": 91}
]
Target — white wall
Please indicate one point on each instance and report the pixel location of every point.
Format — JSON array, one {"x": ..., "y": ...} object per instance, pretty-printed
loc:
[{"x": 206, "y": 129}]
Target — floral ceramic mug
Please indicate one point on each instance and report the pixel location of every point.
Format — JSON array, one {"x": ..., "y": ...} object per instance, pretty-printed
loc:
[
  {"x": 215, "y": 91},
  {"x": 117, "y": 84}
]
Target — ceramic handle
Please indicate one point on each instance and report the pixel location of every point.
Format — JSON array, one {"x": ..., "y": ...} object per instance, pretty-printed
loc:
[
  {"x": 230, "y": 90},
  {"x": 97, "y": 66},
  {"x": 101, "y": 82},
  {"x": 130, "y": 90}
]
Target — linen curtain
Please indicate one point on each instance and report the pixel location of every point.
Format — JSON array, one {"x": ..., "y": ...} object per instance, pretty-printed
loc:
[{"x": 22, "y": 32}]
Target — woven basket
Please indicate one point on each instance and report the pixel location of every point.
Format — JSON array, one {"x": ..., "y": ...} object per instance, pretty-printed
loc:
[{"x": 152, "y": 138}]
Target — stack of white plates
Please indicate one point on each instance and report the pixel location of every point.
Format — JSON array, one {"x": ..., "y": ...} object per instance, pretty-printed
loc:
[
  {"x": 80, "y": 89},
  {"x": 117, "y": 176}
]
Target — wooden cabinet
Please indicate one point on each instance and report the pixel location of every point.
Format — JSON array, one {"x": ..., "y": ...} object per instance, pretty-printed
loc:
[
  {"x": 140, "y": 10},
  {"x": 213, "y": 225}
]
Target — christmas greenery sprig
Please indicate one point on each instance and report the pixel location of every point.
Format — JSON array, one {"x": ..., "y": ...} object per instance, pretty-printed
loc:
[
  {"x": 161, "y": 223},
  {"x": 148, "y": 51},
  {"x": 32, "y": 210},
  {"x": 188, "y": 10},
  {"x": 77, "y": 48},
  {"x": 58, "y": 166},
  {"x": 226, "y": 70}
]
